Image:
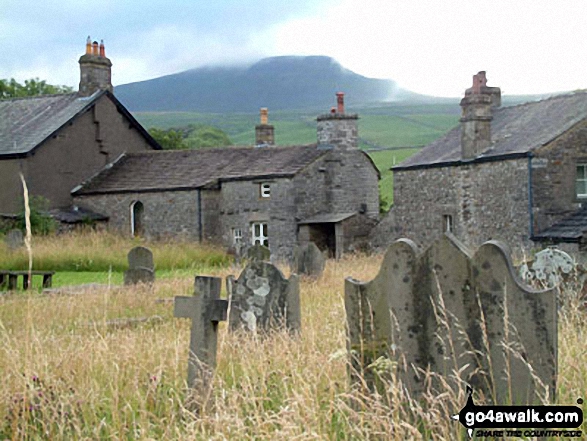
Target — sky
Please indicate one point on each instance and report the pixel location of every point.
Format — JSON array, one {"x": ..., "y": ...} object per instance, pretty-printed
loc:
[{"x": 431, "y": 47}]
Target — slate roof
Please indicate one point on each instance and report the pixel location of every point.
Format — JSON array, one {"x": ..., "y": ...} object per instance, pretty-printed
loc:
[
  {"x": 515, "y": 131},
  {"x": 189, "y": 169},
  {"x": 26, "y": 122},
  {"x": 569, "y": 229}
]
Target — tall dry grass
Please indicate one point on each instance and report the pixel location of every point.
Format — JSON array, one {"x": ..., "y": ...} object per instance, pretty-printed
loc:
[{"x": 66, "y": 374}]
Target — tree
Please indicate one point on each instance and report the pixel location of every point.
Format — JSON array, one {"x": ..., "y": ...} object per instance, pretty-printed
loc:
[
  {"x": 33, "y": 87},
  {"x": 190, "y": 137}
]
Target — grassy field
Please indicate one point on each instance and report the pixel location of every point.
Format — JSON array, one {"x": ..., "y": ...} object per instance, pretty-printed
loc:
[{"x": 67, "y": 373}]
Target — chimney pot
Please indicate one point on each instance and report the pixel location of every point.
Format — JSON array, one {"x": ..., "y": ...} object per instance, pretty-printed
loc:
[
  {"x": 264, "y": 116},
  {"x": 333, "y": 110},
  {"x": 88, "y": 46},
  {"x": 95, "y": 48},
  {"x": 340, "y": 102},
  {"x": 102, "y": 49}
]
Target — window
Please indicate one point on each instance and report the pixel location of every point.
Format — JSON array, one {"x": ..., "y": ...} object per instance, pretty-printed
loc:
[
  {"x": 136, "y": 218},
  {"x": 237, "y": 236},
  {"x": 259, "y": 234},
  {"x": 447, "y": 223},
  {"x": 581, "y": 181},
  {"x": 265, "y": 190}
]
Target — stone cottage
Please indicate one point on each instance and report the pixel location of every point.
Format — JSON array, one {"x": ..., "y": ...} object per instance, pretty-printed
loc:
[
  {"x": 57, "y": 141},
  {"x": 237, "y": 196},
  {"x": 517, "y": 174}
]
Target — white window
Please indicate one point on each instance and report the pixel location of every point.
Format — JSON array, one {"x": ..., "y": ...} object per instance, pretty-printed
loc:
[
  {"x": 237, "y": 236},
  {"x": 259, "y": 234},
  {"x": 265, "y": 190},
  {"x": 448, "y": 224},
  {"x": 581, "y": 181}
]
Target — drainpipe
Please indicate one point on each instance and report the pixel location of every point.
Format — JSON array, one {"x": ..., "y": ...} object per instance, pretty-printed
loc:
[
  {"x": 200, "y": 215},
  {"x": 530, "y": 197}
]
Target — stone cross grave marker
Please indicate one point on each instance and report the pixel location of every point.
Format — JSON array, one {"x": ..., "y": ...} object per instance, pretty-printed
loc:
[
  {"x": 263, "y": 299},
  {"x": 448, "y": 311},
  {"x": 141, "y": 268},
  {"x": 309, "y": 260},
  {"x": 14, "y": 239},
  {"x": 205, "y": 309},
  {"x": 258, "y": 253}
]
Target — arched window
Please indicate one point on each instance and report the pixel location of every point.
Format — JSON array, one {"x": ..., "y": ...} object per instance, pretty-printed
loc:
[{"x": 136, "y": 218}]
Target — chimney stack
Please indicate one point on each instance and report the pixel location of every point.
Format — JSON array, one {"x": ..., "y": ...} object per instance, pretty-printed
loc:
[
  {"x": 477, "y": 114},
  {"x": 95, "y": 69},
  {"x": 338, "y": 129},
  {"x": 264, "y": 132}
]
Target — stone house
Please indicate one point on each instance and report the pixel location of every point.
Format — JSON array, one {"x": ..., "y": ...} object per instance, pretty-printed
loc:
[
  {"x": 57, "y": 141},
  {"x": 517, "y": 174},
  {"x": 237, "y": 196}
]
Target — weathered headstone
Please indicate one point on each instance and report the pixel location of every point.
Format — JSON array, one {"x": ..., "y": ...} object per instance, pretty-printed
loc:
[
  {"x": 205, "y": 309},
  {"x": 449, "y": 312},
  {"x": 263, "y": 299},
  {"x": 549, "y": 267},
  {"x": 141, "y": 268},
  {"x": 309, "y": 260},
  {"x": 14, "y": 239},
  {"x": 258, "y": 253}
]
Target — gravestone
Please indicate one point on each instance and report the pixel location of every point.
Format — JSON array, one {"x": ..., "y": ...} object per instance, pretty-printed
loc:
[
  {"x": 205, "y": 309},
  {"x": 549, "y": 267},
  {"x": 141, "y": 268},
  {"x": 263, "y": 299},
  {"x": 309, "y": 260},
  {"x": 14, "y": 239},
  {"x": 258, "y": 253},
  {"x": 447, "y": 311}
]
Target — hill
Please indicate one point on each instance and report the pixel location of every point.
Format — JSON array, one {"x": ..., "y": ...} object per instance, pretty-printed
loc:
[{"x": 280, "y": 83}]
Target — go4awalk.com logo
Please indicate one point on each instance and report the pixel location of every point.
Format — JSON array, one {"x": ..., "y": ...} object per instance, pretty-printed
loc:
[{"x": 527, "y": 421}]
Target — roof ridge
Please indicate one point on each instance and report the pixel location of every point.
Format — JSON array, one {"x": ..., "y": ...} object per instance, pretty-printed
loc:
[
  {"x": 548, "y": 98},
  {"x": 34, "y": 97}
]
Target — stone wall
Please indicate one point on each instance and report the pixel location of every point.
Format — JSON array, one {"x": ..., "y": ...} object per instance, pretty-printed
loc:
[
  {"x": 166, "y": 214},
  {"x": 484, "y": 200},
  {"x": 71, "y": 155},
  {"x": 338, "y": 130},
  {"x": 553, "y": 177}
]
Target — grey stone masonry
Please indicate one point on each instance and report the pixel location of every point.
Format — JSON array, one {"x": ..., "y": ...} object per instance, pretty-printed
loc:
[
  {"x": 456, "y": 315},
  {"x": 141, "y": 268},
  {"x": 205, "y": 309},
  {"x": 14, "y": 239},
  {"x": 95, "y": 70},
  {"x": 262, "y": 299},
  {"x": 338, "y": 130}
]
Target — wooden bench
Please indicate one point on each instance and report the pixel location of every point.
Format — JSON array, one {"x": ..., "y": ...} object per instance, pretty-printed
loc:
[{"x": 11, "y": 278}]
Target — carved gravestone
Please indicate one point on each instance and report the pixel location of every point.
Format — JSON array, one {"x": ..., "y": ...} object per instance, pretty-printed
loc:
[
  {"x": 205, "y": 309},
  {"x": 263, "y": 299},
  {"x": 309, "y": 260},
  {"x": 549, "y": 267},
  {"x": 14, "y": 239},
  {"x": 447, "y": 311},
  {"x": 258, "y": 253},
  {"x": 141, "y": 268}
]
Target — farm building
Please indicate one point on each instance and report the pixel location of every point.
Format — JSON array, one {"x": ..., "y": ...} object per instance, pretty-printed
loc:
[
  {"x": 58, "y": 141},
  {"x": 237, "y": 196},
  {"x": 517, "y": 174}
]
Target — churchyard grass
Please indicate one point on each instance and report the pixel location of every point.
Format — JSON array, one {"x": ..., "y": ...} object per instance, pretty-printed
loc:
[{"x": 68, "y": 374}]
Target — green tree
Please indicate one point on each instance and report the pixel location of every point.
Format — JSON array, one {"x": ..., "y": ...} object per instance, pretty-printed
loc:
[
  {"x": 41, "y": 222},
  {"x": 33, "y": 87},
  {"x": 190, "y": 137}
]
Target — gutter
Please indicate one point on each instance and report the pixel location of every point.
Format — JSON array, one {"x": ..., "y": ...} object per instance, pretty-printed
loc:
[{"x": 530, "y": 198}]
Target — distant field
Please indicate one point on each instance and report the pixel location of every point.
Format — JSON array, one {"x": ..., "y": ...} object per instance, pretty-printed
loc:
[{"x": 397, "y": 125}]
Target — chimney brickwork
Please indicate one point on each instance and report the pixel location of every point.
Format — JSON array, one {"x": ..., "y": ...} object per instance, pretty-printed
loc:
[
  {"x": 476, "y": 116},
  {"x": 338, "y": 129},
  {"x": 264, "y": 132},
  {"x": 95, "y": 69}
]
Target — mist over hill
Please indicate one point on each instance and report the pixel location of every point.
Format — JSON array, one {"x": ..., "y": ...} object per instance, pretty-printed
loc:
[{"x": 279, "y": 83}]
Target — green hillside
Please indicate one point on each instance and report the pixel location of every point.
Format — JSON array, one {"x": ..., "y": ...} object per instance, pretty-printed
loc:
[{"x": 400, "y": 126}]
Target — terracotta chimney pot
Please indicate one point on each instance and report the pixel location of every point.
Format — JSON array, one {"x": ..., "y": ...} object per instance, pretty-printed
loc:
[
  {"x": 264, "y": 115},
  {"x": 340, "y": 102},
  {"x": 102, "y": 49}
]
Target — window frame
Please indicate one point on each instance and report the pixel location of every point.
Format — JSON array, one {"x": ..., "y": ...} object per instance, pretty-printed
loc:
[
  {"x": 263, "y": 236},
  {"x": 237, "y": 236},
  {"x": 583, "y": 180},
  {"x": 265, "y": 190}
]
